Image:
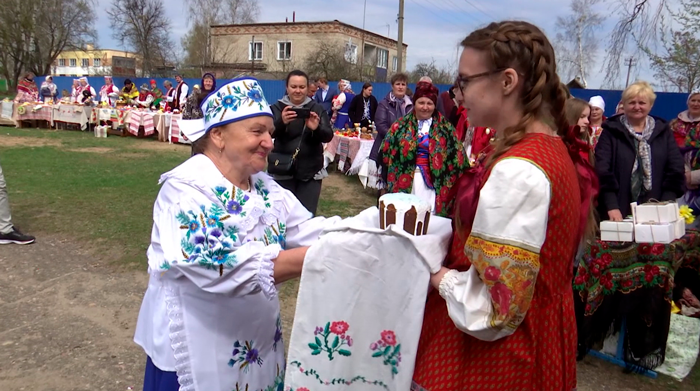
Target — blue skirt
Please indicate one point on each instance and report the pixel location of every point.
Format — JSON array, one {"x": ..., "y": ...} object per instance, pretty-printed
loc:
[{"x": 158, "y": 380}]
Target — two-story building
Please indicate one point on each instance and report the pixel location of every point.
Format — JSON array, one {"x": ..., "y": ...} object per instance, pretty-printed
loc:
[
  {"x": 273, "y": 49},
  {"x": 96, "y": 62}
]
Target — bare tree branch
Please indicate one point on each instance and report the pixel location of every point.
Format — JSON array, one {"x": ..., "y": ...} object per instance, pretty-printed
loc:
[
  {"x": 638, "y": 18},
  {"x": 443, "y": 75},
  {"x": 576, "y": 43},
  {"x": 679, "y": 63},
  {"x": 32, "y": 34},
  {"x": 142, "y": 26},
  {"x": 329, "y": 61}
]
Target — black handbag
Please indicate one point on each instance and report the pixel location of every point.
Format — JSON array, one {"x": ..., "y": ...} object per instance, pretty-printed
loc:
[{"x": 282, "y": 163}]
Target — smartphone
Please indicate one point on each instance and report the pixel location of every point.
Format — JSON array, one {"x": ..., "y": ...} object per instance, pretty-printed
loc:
[{"x": 302, "y": 113}]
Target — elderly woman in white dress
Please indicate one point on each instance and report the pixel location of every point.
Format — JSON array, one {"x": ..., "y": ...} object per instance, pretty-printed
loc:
[{"x": 224, "y": 235}]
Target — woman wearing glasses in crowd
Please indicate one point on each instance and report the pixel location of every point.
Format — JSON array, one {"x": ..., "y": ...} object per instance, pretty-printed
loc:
[{"x": 501, "y": 314}]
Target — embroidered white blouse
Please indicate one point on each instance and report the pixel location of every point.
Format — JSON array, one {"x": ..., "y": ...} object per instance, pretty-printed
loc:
[
  {"x": 511, "y": 216},
  {"x": 211, "y": 311}
]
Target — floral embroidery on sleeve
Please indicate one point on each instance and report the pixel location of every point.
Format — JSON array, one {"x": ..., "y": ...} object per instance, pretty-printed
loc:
[
  {"x": 510, "y": 274},
  {"x": 206, "y": 240}
]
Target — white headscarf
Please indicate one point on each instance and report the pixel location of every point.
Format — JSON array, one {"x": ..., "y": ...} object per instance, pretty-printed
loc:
[{"x": 597, "y": 101}]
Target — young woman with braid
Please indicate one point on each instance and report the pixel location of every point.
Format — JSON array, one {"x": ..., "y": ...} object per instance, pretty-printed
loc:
[{"x": 501, "y": 315}]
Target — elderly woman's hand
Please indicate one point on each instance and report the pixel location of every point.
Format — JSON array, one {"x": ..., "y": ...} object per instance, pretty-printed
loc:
[
  {"x": 289, "y": 263},
  {"x": 313, "y": 121}
]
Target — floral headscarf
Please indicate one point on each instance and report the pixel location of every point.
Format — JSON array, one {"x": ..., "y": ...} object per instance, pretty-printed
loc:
[{"x": 446, "y": 158}]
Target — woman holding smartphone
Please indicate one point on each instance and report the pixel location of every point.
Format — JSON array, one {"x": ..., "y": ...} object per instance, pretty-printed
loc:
[{"x": 301, "y": 128}]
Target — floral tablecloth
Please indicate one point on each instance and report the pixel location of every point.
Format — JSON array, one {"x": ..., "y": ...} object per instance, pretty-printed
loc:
[
  {"x": 631, "y": 280},
  {"x": 32, "y": 112},
  {"x": 116, "y": 116},
  {"x": 356, "y": 149},
  {"x": 73, "y": 114}
]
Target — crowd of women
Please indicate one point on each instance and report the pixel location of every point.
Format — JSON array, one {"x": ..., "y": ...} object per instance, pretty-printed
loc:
[{"x": 506, "y": 153}]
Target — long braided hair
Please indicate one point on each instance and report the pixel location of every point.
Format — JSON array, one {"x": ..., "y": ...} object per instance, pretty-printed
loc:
[{"x": 525, "y": 48}]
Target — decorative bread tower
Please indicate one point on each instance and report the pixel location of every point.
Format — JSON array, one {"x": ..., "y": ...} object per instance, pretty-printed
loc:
[{"x": 405, "y": 210}]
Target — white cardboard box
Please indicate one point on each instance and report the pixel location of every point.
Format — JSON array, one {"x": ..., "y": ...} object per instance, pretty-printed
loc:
[
  {"x": 656, "y": 213},
  {"x": 617, "y": 231},
  {"x": 679, "y": 227},
  {"x": 655, "y": 233}
]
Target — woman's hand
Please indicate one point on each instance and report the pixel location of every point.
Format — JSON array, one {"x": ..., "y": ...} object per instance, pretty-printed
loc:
[
  {"x": 313, "y": 121},
  {"x": 288, "y": 264},
  {"x": 436, "y": 278},
  {"x": 288, "y": 115},
  {"x": 615, "y": 215}
]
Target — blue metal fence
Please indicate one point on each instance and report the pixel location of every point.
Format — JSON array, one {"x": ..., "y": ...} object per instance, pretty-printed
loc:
[{"x": 667, "y": 104}]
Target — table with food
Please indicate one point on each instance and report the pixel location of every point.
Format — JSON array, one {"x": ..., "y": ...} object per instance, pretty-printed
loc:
[
  {"x": 36, "y": 112},
  {"x": 353, "y": 144},
  {"x": 71, "y": 113}
]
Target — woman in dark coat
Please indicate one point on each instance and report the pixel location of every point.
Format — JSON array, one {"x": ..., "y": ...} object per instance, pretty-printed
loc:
[
  {"x": 637, "y": 158},
  {"x": 307, "y": 134},
  {"x": 363, "y": 107}
]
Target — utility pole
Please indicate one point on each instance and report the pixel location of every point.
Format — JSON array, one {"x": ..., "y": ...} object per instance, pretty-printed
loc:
[
  {"x": 362, "y": 55},
  {"x": 630, "y": 62},
  {"x": 252, "y": 55},
  {"x": 399, "y": 46}
]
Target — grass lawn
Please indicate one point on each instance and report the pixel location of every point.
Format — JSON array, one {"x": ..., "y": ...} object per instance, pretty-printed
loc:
[{"x": 101, "y": 191}]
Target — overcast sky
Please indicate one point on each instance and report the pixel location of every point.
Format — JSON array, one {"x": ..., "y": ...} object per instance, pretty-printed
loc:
[{"x": 432, "y": 28}]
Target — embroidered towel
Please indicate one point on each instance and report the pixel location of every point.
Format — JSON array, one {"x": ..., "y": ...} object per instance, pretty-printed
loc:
[{"x": 360, "y": 306}]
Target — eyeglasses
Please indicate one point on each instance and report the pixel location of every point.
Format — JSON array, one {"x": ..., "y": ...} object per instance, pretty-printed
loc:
[{"x": 463, "y": 81}]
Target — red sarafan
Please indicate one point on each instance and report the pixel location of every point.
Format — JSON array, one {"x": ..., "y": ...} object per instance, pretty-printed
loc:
[{"x": 541, "y": 354}]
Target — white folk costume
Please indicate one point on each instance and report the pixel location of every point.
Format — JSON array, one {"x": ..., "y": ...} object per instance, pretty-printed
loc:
[
  {"x": 595, "y": 131},
  {"x": 77, "y": 92},
  {"x": 86, "y": 87},
  {"x": 211, "y": 312},
  {"x": 146, "y": 98},
  {"x": 181, "y": 92},
  {"x": 109, "y": 92}
]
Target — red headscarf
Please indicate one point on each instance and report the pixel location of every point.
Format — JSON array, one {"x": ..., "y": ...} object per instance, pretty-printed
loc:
[{"x": 426, "y": 90}]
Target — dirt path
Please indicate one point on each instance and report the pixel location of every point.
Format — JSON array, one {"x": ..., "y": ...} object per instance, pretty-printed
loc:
[{"x": 67, "y": 322}]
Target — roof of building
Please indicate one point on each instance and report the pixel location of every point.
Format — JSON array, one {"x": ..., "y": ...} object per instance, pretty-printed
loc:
[{"x": 336, "y": 22}]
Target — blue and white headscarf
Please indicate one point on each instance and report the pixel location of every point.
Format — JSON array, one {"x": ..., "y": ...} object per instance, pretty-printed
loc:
[{"x": 236, "y": 100}]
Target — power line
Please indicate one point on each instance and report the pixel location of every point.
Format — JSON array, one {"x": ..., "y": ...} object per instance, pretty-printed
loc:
[
  {"x": 462, "y": 10},
  {"x": 435, "y": 14},
  {"x": 480, "y": 10}
]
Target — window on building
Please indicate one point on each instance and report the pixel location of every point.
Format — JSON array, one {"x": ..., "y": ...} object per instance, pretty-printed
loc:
[
  {"x": 382, "y": 58},
  {"x": 351, "y": 53},
  {"x": 284, "y": 50},
  {"x": 96, "y": 62},
  {"x": 61, "y": 62},
  {"x": 395, "y": 64},
  {"x": 255, "y": 51},
  {"x": 73, "y": 62},
  {"x": 85, "y": 63}
]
